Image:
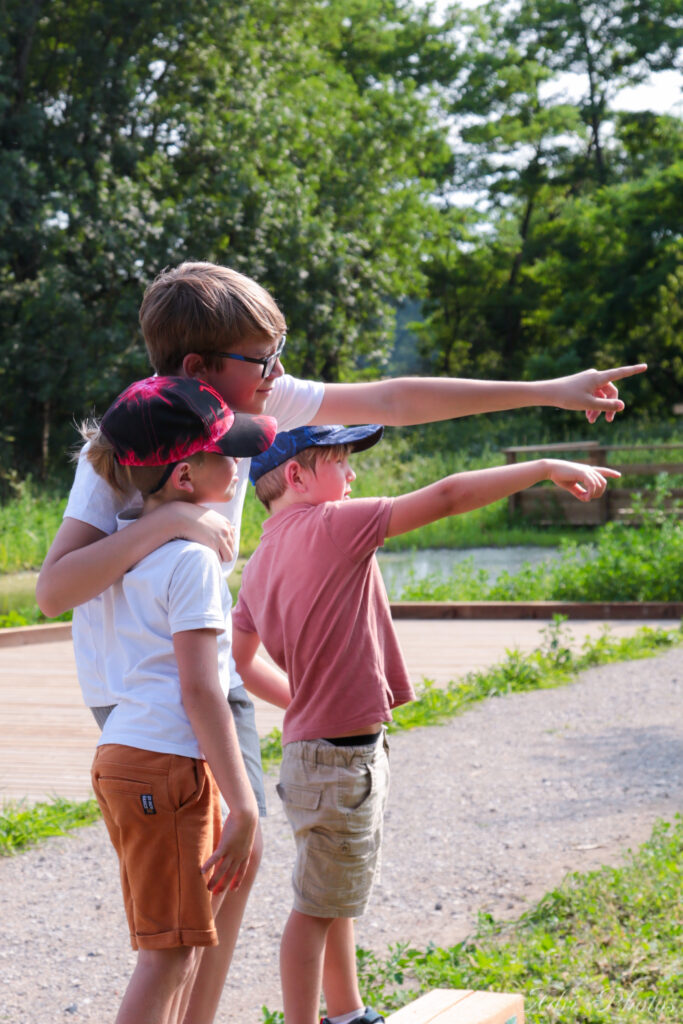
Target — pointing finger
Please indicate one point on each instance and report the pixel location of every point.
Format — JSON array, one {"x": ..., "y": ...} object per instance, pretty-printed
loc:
[{"x": 620, "y": 372}]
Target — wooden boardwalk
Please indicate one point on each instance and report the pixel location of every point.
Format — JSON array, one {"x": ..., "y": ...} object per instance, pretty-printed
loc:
[{"x": 48, "y": 735}]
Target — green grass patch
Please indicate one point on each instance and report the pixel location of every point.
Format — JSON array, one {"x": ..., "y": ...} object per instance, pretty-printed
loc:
[
  {"x": 621, "y": 563},
  {"x": 603, "y": 948},
  {"x": 553, "y": 663},
  {"x": 22, "y": 826},
  {"x": 28, "y": 522}
]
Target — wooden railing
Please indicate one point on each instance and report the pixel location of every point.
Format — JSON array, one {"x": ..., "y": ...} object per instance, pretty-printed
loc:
[{"x": 548, "y": 505}]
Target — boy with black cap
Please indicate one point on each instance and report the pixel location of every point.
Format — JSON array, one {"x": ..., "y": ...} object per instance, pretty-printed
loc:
[
  {"x": 313, "y": 594},
  {"x": 169, "y": 748}
]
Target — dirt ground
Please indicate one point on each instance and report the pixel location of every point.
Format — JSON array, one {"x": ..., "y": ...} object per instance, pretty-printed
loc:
[{"x": 486, "y": 813}]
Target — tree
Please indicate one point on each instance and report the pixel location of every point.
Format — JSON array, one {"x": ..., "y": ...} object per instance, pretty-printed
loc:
[{"x": 294, "y": 141}]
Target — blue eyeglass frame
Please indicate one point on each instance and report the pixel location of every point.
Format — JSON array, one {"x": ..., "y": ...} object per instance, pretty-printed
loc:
[{"x": 267, "y": 362}]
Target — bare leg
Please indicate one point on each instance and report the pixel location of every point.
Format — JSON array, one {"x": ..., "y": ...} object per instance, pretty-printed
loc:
[
  {"x": 207, "y": 986},
  {"x": 302, "y": 951},
  {"x": 154, "y": 985},
  {"x": 340, "y": 978}
]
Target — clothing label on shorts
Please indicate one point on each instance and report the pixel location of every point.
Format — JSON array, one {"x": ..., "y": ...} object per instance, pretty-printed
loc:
[{"x": 148, "y": 803}]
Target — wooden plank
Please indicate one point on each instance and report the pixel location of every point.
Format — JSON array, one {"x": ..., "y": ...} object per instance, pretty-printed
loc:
[{"x": 462, "y": 1006}]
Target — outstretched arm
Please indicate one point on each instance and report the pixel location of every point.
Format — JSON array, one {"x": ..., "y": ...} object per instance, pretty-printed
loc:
[
  {"x": 409, "y": 400},
  {"x": 83, "y": 561},
  {"x": 464, "y": 492},
  {"x": 259, "y": 676},
  {"x": 214, "y": 727}
]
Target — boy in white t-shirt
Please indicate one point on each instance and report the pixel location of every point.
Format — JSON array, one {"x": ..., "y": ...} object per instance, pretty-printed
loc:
[
  {"x": 169, "y": 748},
  {"x": 312, "y": 593}
]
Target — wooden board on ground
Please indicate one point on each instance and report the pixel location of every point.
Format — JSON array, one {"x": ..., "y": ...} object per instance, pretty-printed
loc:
[{"x": 461, "y": 1006}]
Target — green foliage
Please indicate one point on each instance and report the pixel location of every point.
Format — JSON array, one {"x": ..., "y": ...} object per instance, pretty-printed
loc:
[
  {"x": 605, "y": 946},
  {"x": 553, "y": 663},
  {"x": 621, "y": 563},
  {"x": 271, "y": 749},
  {"x": 22, "y": 826},
  {"x": 28, "y": 523},
  {"x": 295, "y": 143}
]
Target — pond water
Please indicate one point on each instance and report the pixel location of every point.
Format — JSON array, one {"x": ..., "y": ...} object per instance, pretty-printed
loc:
[{"x": 400, "y": 567}]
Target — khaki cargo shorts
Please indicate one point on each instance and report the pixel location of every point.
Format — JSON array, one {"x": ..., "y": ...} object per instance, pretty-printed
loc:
[{"x": 334, "y": 798}]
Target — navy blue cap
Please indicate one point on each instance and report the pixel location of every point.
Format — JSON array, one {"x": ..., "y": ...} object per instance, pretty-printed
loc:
[{"x": 289, "y": 443}]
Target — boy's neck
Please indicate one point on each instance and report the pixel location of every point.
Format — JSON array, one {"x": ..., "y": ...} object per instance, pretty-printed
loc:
[
  {"x": 290, "y": 498},
  {"x": 169, "y": 493}
]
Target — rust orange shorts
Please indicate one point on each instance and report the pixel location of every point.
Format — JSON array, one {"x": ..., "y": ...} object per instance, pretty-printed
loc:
[{"x": 163, "y": 815}]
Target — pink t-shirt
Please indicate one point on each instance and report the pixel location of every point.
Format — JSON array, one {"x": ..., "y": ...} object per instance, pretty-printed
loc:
[{"x": 313, "y": 592}]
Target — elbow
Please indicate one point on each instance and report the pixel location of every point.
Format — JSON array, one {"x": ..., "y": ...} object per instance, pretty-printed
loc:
[{"x": 46, "y": 599}]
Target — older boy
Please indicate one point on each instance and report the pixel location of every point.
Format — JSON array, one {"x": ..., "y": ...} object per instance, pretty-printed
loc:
[
  {"x": 169, "y": 748},
  {"x": 206, "y": 321},
  {"x": 313, "y": 594}
]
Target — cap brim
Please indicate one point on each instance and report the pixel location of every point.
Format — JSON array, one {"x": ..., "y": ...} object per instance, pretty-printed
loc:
[
  {"x": 248, "y": 436},
  {"x": 366, "y": 436}
]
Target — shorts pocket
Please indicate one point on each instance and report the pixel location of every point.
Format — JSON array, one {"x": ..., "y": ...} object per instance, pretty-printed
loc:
[
  {"x": 354, "y": 788},
  {"x": 305, "y": 797},
  {"x": 338, "y": 869}
]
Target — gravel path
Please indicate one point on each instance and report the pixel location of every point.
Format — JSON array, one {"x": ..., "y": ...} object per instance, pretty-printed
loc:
[{"x": 486, "y": 813}]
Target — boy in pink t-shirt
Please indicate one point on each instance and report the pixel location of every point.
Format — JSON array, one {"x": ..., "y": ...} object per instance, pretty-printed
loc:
[{"x": 313, "y": 594}]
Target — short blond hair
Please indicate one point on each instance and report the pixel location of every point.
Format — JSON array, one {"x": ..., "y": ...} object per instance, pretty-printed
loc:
[
  {"x": 272, "y": 485},
  {"x": 204, "y": 308}
]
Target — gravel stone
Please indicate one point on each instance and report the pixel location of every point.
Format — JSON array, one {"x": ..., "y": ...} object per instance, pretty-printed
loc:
[{"x": 486, "y": 813}]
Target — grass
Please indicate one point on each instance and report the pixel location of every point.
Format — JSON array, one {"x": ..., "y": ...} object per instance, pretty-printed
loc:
[
  {"x": 622, "y": 563},
  {"x": 603, "y": 948},
  {"x": 22, "y": 826},
  {"x": 553, "y": 663}
]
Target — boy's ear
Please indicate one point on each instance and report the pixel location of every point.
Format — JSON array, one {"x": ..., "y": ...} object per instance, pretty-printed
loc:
[
  {"x": 295, "y": 476},
  {"x": 181, "y": 477},
  {"x": 193, "y": 365}
]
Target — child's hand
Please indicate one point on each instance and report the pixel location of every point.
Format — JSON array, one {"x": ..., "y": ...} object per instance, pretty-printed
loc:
[
  {"x": 203, "y": 525},
  {"x": 584, "y": 482},
  {"x": 594, "y": 391},
  {"x": 231, "y": 857}
]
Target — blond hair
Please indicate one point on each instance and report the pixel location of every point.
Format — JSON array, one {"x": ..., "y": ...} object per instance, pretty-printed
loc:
[
  {"x": 204, "y": 308},
  {"x": 272, "y": 485},
  {"x": 101, "y": 455},
  {"x": 122, "y": 479}
]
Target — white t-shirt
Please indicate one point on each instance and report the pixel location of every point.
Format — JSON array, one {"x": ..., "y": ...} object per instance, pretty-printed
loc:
[
  {"x": 293, "y": 403},
  {"x": 180, "y": 586}
]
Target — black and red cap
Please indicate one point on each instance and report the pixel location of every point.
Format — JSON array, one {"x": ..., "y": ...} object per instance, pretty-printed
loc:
[{"x": 162, "y": 420}]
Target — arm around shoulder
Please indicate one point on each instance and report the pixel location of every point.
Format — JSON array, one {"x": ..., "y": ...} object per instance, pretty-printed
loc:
[{"x": 83, "y": 561}]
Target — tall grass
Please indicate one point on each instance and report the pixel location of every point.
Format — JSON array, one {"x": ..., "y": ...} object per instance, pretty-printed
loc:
[
  {"x": 622, "y": 563},
  {"x": 28, "y": 522}
]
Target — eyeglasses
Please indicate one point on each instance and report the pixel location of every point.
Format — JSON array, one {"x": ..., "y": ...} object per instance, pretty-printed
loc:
[{"x": 267, "y": 362}]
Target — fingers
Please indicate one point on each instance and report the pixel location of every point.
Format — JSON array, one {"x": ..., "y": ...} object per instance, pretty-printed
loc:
[
  {"x": 620, "y": 373},
  {"x": 605, "y": 395},
  {"x": 228, "y": 873}
]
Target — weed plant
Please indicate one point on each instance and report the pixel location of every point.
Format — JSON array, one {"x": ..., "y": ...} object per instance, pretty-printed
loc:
[
  {"x": 22, "y": 825},
  {"x": 603, "y": 948},
  {"x": 553, "y": 663},
  {"x": 28, "y": 522},
  {"x": 622, "y": 563}
]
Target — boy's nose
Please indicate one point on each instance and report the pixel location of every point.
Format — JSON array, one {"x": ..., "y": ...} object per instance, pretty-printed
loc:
[{"x": 277, "y": 371}]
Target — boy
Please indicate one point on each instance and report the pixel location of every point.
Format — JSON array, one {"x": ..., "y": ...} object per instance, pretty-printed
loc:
[
  {"x": 206, "y": 321},
  {"x": 313, "y": 594},
  {"x": 169, "y": 749}
]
